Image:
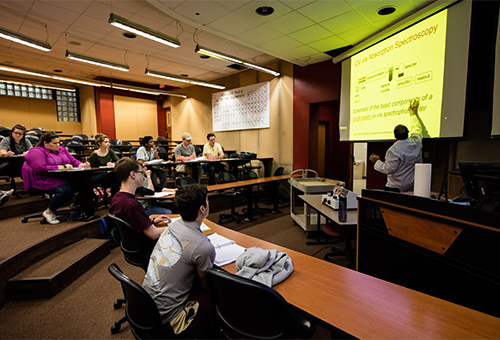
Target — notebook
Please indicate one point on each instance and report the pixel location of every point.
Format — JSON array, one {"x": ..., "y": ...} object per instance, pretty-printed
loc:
[{"x": 226, "y": 250}]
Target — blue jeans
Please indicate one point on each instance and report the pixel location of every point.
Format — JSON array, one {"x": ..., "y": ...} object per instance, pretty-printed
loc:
[
  {"x": 60, "y": 195},
  {"x": 156, "y": 209},
  {"x": 212, "y": 168}
]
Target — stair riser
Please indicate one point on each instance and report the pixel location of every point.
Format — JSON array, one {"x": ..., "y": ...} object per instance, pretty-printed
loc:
[{"x": 37, "y": 288}]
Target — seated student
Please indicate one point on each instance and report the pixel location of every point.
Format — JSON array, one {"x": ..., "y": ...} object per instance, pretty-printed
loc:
[
  {"x": 130, "y": 174},
  {"x": 176, "y": 273},
  {"x": 15, "y": 144},
  {"x": 185, "y": 151},
  {"x": 213, "y": 151},
  {"x": 49, "y": 155},
  {"x": 152, "y": 206},
  {"x": 104, "y": 156},
  {"x": 149, "y": 152}
]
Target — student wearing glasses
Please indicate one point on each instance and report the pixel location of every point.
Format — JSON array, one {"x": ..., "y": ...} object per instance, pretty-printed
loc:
[
  {"x": 124, "y": 205},
  {"x": 15, "y": 144}
]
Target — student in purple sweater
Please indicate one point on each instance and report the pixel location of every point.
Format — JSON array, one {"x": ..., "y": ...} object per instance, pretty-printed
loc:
[{"x": 49, "y": 155}]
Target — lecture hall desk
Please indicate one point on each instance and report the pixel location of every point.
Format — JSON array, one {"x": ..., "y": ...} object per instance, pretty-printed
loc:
[{"x": 366, "y": 307}]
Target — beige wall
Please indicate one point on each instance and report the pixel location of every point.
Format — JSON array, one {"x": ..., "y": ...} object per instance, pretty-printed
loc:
[
  {"x": 33, "y": 112},
  {"x": 135, "y": 117},
  {"x": 87, "y": 110},
  {"x": 194, "y": 115}
]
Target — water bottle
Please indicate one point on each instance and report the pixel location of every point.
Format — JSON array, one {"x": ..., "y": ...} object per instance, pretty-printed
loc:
[{"x": 342, "y": 207}]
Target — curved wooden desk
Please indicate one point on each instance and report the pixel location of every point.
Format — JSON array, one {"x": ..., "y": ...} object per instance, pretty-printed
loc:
[{"x": 366, "y": 307}]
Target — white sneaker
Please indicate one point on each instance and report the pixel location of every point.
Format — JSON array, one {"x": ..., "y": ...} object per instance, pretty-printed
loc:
[
  {"x": 51, "y": 218},
  {"x": 9, "y": 193}
]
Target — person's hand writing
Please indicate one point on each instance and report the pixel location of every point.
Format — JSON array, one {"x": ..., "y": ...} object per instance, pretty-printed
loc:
[
  {"x": 81, "y": 165},
  {"x": 413, "y": 108},
  {"x": 374, "y": 158},
  {"x": 110, "y": 164},
  {"x": 68, "y": 166},
  {"x": 168, "y": 190},
  {"x": 10, "y": 153}
]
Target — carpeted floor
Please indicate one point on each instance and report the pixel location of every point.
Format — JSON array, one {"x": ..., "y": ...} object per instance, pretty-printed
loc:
[{"x": 84, "y": 309}]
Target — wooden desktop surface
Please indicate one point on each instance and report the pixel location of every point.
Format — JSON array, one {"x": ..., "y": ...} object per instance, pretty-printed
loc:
[
  {"x": 367, "y": 307},
  {"x": 248, "y": 182}
]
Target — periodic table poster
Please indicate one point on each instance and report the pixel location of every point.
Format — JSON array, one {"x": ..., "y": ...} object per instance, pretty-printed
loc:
[{"x": 241, "y": 108}]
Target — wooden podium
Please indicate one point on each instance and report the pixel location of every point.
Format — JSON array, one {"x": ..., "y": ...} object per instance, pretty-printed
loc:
[{"x": 435, "y": 247}]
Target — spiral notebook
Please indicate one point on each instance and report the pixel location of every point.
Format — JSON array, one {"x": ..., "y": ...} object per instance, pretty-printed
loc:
[{"x": 226, "y": 250}]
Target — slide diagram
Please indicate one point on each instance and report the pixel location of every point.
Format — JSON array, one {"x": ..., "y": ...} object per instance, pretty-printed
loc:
[{"x": 388, "y": 76}]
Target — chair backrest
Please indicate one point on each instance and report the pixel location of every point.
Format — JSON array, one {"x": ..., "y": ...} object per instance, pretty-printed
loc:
[
  {"x": 246, "y": 308},
  {"x": 225, "y": 177},
  {"x": 82, "y": 136},
  {"x": 182, "y": 181},
  {"x": 248, "y": 173},
  {"x": 141, "y": 311},
  {"x": 126, "y": 146},
  {"x": 279, "y": 171},
  {"x": 133, "y": 152},
  {"x": 115, "y": 142},
  {"x": 33, "y": 139},
  {"x": 117, "y": 151},
  {"x": 131, "y": 243}
]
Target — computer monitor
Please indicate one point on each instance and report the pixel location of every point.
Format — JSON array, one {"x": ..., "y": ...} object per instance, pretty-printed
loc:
[{"x": 482, "y": 184}]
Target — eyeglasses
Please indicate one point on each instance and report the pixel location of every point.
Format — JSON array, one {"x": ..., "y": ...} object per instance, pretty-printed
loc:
[
  {"x": 141, "y": 172},
  {"x": 18, "y": 133}
]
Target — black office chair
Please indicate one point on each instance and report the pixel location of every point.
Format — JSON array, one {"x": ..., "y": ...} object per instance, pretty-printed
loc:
[
  {"x": 272, "y": 192},
  {"x": 248, "y": 174},
  {"x": 227, "y": 177},
  {"x": 182, "y": 181},
  {"x": 346, "y": 237},
  {"x": 247, "y": 309},
  {"x": 60, "y": 212},
  {"x": 117, "y": 151},
  {"x": 4, "y": 131},
  {"x": 140, "y": 309},
  {"x": 133, "y": 152},
  {"x": 135, "y": 250}
]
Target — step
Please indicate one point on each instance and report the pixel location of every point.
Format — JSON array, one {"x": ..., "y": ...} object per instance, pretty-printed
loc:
[{"x": 49, "y": 276}]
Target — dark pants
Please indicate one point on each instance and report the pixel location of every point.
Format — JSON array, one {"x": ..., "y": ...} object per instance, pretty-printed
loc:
[
  {"x": 158, "y": 174},
  {"x": 212, "y": 168},
  {"x": 60, "y": 195}
]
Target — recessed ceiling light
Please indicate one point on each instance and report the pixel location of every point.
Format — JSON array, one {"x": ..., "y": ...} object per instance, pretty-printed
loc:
[
  {"x": 203, "y": 56},
  {"x": 184, "y": 75},
  {"x": 264, "y": 10},
  {"x": 386, "y": 10},
  {"x": 74, "y": 43},
  {"x": 58, "y": 71},
  {"x": 129, "y": 35}
]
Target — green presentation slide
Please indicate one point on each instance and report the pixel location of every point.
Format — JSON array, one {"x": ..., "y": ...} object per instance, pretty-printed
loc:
[{"x": 385, "y": 78}]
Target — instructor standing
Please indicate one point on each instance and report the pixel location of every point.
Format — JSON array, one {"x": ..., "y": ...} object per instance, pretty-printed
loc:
[{"x": 400, "y": 159}]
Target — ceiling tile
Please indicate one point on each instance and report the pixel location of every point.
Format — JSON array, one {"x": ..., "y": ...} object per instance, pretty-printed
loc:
[
  {"x": 356, "y": 35},
  {"x": 281, "y": 44},
  {"x": 124, "y": 7},
  {"x": 234, "y": 24},
  {"x": 259, "y": 35},
  {"x": 48, "y": 12},
  {"x": 202, "y": 11},
  {"x": 323, "y": 10},
  {"x": 301, "y": 52},
  {"x": 296, "y": 4},
  {"x": 248, "y": 10},
  {"x": 329, "y": 44},
  {"x": 310, "y": 34},
  {"x": 289, "y": 23},
  {"x": 94, "y": 25},
  {"x": 370, "y": 11},
  {"x": 345, "y": 22}
]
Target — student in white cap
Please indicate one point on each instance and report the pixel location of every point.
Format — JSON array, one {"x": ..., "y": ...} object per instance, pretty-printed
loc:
[{"x": 185, "y": 151}]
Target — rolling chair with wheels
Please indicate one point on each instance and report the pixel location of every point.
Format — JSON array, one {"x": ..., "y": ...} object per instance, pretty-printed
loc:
[
  {"x": 247, "y": 309},
  {"x": 330, "y": 229},
  {"x": 135, "y": 253},
  {"x": 140, "y": 309},
  {"x": 227, "y": 177},
  {"x": 60, "y": 212}
]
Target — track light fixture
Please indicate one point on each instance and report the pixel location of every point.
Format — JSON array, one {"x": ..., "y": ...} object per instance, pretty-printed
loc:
[
  {"x": 144, "y": 31},
  {"x": 8, "y": 68},
  {"x": 231, "y": 59},
  {"x": 174, "y": 77},
  {"x": 96, "y": 61},
  {"x": 25, "y": 40}
]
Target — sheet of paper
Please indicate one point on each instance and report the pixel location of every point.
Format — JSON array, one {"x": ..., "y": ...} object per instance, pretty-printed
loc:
[
  {"x": 160, "y": 194},
  {"x": 226, "y": 250}
]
